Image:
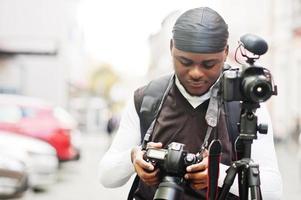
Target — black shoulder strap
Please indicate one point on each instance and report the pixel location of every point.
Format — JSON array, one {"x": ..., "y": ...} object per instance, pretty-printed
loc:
[{"x": 148, "y": 103}]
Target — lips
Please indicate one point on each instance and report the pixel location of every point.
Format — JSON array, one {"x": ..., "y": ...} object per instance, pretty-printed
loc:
[{"x": 197, "y": 84}]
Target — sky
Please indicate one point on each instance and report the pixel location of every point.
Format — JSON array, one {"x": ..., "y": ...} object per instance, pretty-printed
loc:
[{"x": 116, "y": 31}]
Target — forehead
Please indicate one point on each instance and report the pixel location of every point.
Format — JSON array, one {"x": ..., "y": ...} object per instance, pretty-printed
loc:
[{"x": 197, "y": 56}]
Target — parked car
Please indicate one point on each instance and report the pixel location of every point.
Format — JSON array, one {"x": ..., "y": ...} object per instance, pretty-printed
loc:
[
  {"x": 40, "y": 119},
  {"x": 13, "y": 177},
  {"x": 39, "y": 157}
]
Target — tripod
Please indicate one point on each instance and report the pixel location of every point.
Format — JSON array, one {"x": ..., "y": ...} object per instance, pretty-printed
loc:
[{"x": 247, "y": 170}]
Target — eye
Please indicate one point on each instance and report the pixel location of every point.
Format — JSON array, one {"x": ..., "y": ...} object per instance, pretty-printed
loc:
[
  {"x": 209, "y": 64},
  {"x": 185, "y": 62}
]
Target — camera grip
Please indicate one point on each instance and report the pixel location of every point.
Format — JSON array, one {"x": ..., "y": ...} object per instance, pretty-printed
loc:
[{"x": 149, "y": 160}]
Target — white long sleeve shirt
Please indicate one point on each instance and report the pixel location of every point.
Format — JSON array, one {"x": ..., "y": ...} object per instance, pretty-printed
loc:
[{"x": 116, "y": 168}]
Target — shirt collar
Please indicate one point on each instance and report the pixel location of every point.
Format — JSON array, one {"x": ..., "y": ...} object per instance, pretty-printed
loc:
[{"x": 194, "y": 101}]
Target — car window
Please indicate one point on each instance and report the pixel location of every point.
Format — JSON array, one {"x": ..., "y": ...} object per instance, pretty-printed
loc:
[
  {"x": 10, "y": 113},
  {"x": 28, "y": 112}
]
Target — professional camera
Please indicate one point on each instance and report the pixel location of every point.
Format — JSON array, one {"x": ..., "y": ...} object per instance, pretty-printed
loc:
[
  {"x": 253, "y": 83},
  {"x": 172, "y": 162}
]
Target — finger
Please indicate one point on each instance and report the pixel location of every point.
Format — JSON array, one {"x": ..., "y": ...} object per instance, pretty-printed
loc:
[
  {"x": 142, "y": 163},
  {"x": 199, "y": 186},
  {"x": 152, "y": 183},
  {"x": 150, "y": 178},
  {"x": 199, "y": 166},
  {"x": 197, "y": 177},
  {"x": 149, "y": 175},
  {"x": 154, "y": 144},
  {"x": 203, "y": 181}
]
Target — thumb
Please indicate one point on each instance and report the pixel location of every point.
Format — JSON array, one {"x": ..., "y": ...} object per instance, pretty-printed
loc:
[
  {"x": 206, "y": 153},
  {"x": 154, "y": 144}
]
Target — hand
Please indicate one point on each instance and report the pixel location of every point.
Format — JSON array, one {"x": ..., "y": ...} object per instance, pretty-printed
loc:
[
  {"x": 197, "y": 173},
  {"x": 145, "y": 170}
]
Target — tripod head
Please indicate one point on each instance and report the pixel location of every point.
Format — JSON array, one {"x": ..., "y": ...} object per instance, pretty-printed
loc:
[{"x": 248, "y": 128}]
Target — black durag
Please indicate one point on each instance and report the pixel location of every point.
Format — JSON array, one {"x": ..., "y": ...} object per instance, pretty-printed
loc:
[{"x": 200, "y": 30}]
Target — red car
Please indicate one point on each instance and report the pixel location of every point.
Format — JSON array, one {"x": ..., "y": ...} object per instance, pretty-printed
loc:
[{"x": 39, "y": 119}]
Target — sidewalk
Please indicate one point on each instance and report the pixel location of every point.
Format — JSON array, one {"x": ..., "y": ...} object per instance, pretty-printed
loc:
[{"x": 289, "y": 166}]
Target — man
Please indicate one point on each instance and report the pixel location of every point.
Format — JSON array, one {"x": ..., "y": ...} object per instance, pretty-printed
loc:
[{"x": 199, "y": 49}]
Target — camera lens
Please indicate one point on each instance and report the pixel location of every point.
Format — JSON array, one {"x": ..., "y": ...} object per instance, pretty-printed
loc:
[
  {"x": 168, "y": 189},
  {"x": 257, "y": 88},
  {"x": 261, "y": 90}
]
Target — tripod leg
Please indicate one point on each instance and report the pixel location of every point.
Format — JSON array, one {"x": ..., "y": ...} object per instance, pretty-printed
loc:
[
  {"x": 229, "y": 179},
  {"x": 254, "y": 182},
  {"x": 255, "y": 193},
  {"x": 243, "y": 183}
]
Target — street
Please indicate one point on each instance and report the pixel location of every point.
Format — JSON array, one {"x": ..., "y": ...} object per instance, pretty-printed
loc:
[{"x": 77, "y": 180}]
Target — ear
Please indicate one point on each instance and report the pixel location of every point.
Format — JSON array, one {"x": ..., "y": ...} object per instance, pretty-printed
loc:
[
  {"x": 226, "y": 52},
  {"x": 171, "y": 45}
]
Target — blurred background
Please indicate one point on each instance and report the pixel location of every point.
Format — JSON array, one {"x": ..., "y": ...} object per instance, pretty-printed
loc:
[{"x": 67, "y": 68}]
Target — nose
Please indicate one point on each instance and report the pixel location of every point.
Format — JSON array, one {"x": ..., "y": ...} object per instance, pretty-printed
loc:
[{"x": 196, "y": 72}]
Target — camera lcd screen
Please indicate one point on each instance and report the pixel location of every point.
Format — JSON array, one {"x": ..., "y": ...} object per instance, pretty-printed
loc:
[{"x": 155, "y": 153}]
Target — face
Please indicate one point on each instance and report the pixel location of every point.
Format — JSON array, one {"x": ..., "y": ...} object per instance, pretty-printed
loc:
[{"x": 197, "y": 72}]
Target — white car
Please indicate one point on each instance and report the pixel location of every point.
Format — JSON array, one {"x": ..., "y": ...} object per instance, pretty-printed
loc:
[
  {"x": 13, "y": 177},
  {"x": 39, "y": 157}
]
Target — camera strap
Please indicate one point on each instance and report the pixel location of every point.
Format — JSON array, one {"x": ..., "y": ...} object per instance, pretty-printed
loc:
[
  {"x": 212, "y": 117},
  {"x": 148, "y": 102}
]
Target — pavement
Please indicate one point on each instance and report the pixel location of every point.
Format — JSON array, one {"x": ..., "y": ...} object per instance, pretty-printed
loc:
[
  {"x": 289, "y": 160},
  {"x": 77, "y": 180}
]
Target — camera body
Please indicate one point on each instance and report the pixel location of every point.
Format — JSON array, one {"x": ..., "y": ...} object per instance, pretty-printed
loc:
[
  {"x": 172, "y": 163},
  {"x": 252, "y": 84},
  {"x": 173, "y": 160}
]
